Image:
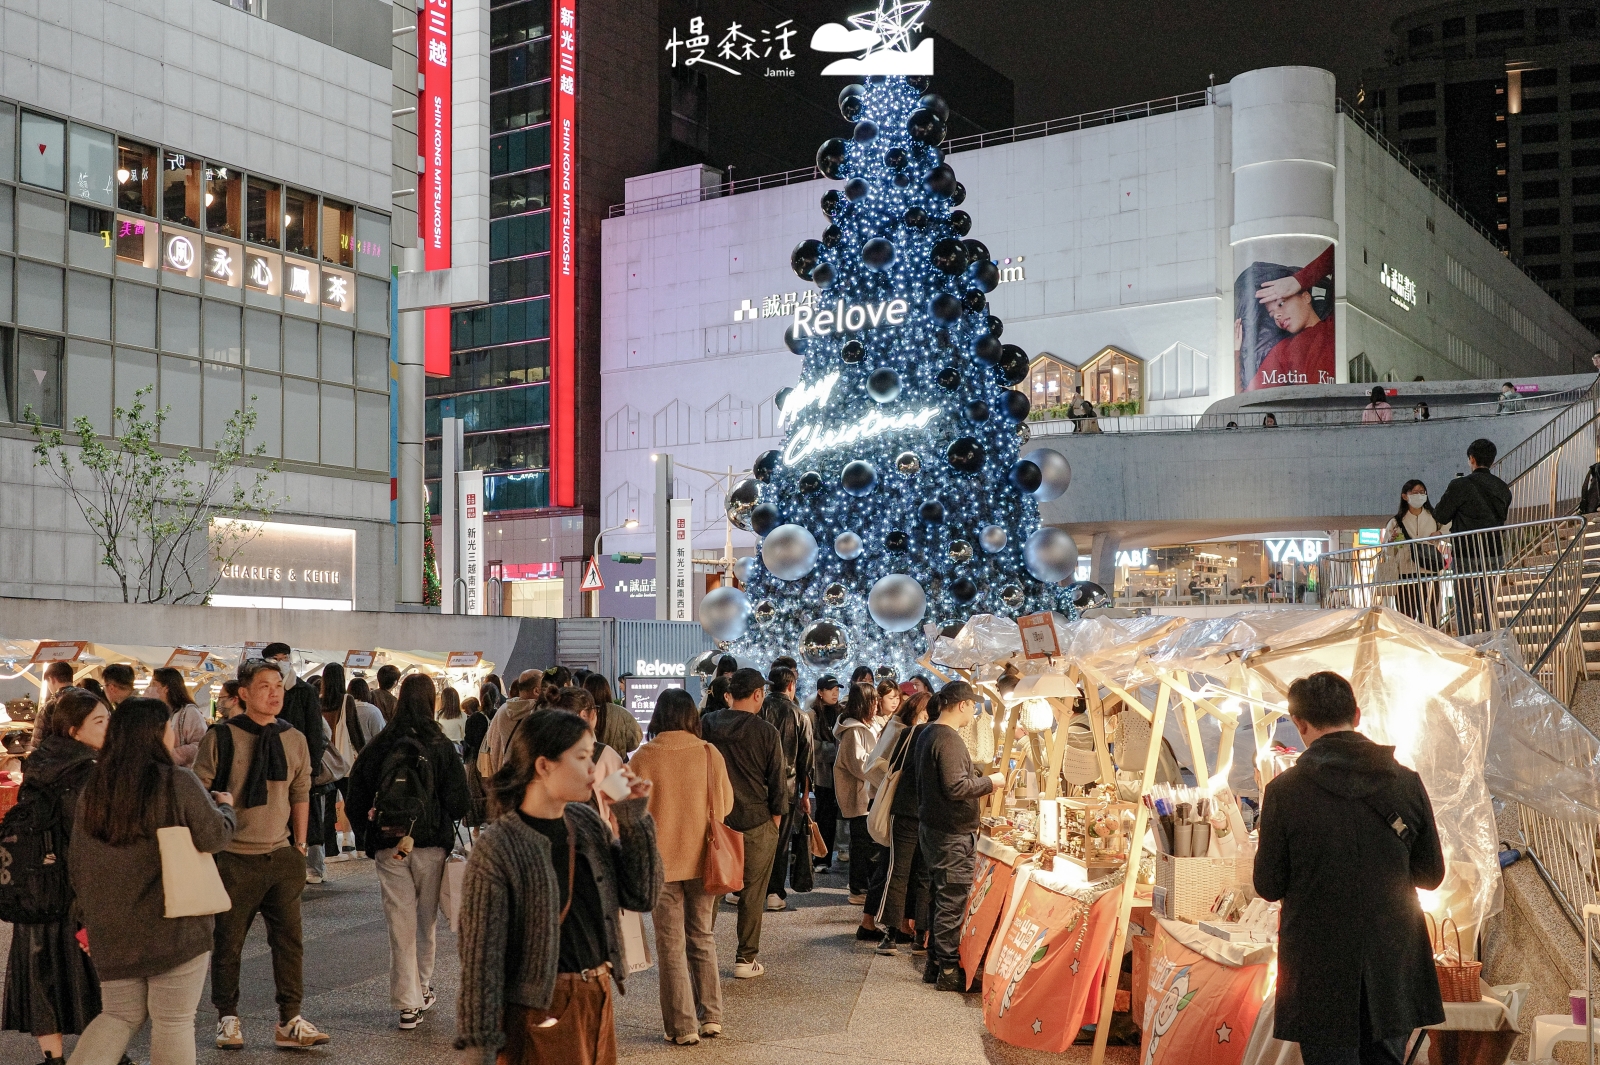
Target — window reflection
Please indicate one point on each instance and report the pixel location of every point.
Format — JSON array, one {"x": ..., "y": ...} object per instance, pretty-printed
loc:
[
  {"x": 137, "y": 168},
  {"x": 180, "y": 189},
  {"x": 223, "y": 201},
  {"x": 264, "y": 211},
  {"x": 300, "y": 222}
]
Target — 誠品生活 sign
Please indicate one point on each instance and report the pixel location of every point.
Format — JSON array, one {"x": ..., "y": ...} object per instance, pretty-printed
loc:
[{"x": 274, "y": 564}]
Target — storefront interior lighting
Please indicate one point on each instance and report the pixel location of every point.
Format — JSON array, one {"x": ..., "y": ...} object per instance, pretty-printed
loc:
[{"x": 123, "y": 174}]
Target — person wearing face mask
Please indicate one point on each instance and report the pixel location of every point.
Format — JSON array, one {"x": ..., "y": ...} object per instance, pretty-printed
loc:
[
  {"x": 1415, "y": 521},
  {"x": 1510, "y": 401}
]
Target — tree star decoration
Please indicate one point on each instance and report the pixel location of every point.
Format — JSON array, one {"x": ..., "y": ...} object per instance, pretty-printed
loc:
[{"x": 893, "y": 22}]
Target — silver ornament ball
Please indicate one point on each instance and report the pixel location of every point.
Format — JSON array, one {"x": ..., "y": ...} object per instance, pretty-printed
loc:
[
  {"x": 897, "y": 603},
  {"x": 1055, "y": 470},
  {"x": 848, "y": 545},
  {"x": 741, "y": 501},
  {"x": 993, "y": 538},
  {"x": 1011, "y": 596},
  {"x": 907, "y": 463},
  {"x": 745, "y": 568},
  {"x": 833, "y": 595},
  {"x": 725, "y": 613},
  {"x": 1051, "y": 554},
  {"x": 765, "y": 611},
  {"x": 789, "y": 552},
  {"x": 824, "y": 643},
  {"x": 960, "y": 550}
]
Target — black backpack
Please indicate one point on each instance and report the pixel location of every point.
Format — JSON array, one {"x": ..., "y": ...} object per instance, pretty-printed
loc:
[
  {"x": 404, "y": 804},
  {"x": 33, "y": 859}
]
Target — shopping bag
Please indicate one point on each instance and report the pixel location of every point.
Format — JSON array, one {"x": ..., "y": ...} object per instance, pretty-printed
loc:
[
  {"x": 819, "y": 846},
  {"x": 802, "y": 877},
  {"x": 455, "y": 873},
  {"x": 635, "y": 948},
  {"x": 189, "y": 878},
  {"x": 722, "y": 870}
]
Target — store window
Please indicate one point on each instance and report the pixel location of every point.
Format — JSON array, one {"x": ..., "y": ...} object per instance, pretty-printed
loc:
[
  {"x": 44, "y": 163},
  {"x": 137, "y": 169},
  {"x": 138, "y": 242},
  {"x": 93, "y": 153},
  {"x": 35, "y": 379},
  {"x": 224, "y": 201},
  {"x": 1051, "y": 382},
  {"x": 181, "y": 177},
  {"x": 300, "y": 222},
  {"x": 1114, "y": 376},
  {"x": 338, "y": 233}
]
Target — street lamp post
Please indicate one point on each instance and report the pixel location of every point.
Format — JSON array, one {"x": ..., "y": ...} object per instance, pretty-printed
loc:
[{"x": 631, "y": 523}]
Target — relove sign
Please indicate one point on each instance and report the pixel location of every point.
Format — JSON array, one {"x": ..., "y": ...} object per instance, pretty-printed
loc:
[{"x": 851, "y": 318}]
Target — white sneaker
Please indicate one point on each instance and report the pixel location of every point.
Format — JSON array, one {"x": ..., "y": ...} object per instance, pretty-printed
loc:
[
  {"x": 229, "y": 1035},
  {"x": 748, "y": 970},
  {"x": 689, "y": 1039},
  {"x": 299, "y": 1034},
  {"x": 776, "y": 904},
  {"x": 428, "y": 999},
  {"x": 710, "y": 1030},
  {"x": 313, "y": 878},
  {"x": 342, "y": 856},
  {"x": 856, "y": 900}
]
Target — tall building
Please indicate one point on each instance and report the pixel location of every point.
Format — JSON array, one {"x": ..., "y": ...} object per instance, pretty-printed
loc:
[{"x": 1501, "y": 105}]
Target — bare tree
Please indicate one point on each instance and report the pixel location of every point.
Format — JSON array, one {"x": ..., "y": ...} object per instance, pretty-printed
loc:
[{"x": 150, "y": 511}]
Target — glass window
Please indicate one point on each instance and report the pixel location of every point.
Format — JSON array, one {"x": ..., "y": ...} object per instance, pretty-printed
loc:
[
  {"x": 137, "y": 173},
  {"x": 39, "y": 296},
  {"x": 522, "y": 150},
  {"x": 92, "y": 166},
  {"x": 136, "y": 314},
  {"x": 5, "y": 290},
  {"x": 528, "y": 449},
  {"x": 518, "y": 23},
  {"x": 138, "y": 241},
  {"x": 41, "y": 226},
  {"x": 89, "y": 305},
  {"x": 180, "y": 324},
  {"x": 5, "y": 219},
  {"x": 43, "y": 164},
  {"x": 372, "y": 431},
  {"x": 299, "y": 347},
  {"x": 224, "y": 263},
  {"x": 222, "y": 332},
  {"x": 263, "y": 271},
  {"x": 301, "y": 285},
  {"x": 37, "y": 384},
  {"x": 372, "y": 243},
  {"x": 180, "y": 391},
  {"x": 180, "y": 189},
  {"x": 523, "y": 235},
  {"x": 338, "y": 354},
  {"x": 265, "y": 211},
  {"x": 338, "y": 233},
  {"x": 519, "y": 66},
  {"x": 180, "y": 253},
  {"x": 1051, "y": 382},
  {"x": 6, "y": 413},
  {"x": 8, "y": 144},
  {"x": 264, "y": 392},
  {"x": 224, "y": 201},
  {"x": 89, "y": 384},
  {"x": 519, "y": 193},
  {"x": 338, "y": 290},
  {"x": 136, "y": 370},
  {"x": 527, "y": 106},
  {"x": 372, "y": 306},
  {"x": 262, "y": 346},
  {"x": 372, "y": 362},
  {"x": 300, "y": 222},
  {"x": 222, "y": 401},
  {"x": 300, "y": 420},
  {"x": 519, "y": 279},
  {"x": 338, "y": 426}
]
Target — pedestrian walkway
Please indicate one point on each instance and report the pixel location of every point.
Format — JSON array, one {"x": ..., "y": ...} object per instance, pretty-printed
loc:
[{"x": 826, "y": 999}]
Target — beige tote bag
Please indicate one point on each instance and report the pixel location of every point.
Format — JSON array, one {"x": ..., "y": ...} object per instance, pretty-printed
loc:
[{"x": 189, "y": 878}]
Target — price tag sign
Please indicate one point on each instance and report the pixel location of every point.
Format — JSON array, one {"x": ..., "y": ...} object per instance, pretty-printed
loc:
[
  {"x": 58, "y": 650},
  {"x": 253, "y": 650},
  {"x": 185, "y": 658},
  {"x": 1038, "y": 635},
  {"x": 359, "y": 659},
  {"x": 463, "y": 659}
]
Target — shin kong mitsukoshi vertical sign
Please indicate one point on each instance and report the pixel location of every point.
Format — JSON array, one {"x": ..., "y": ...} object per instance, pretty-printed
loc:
[
  {"x": 563, "y": 272},
  {"x": 434, "y": 48}
]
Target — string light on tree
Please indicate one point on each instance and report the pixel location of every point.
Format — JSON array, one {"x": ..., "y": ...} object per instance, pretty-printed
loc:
[{"x": 897, "y": 502}]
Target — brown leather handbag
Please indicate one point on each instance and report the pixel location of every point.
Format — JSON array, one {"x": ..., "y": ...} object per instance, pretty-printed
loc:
[{"x": 722, "y": 872}]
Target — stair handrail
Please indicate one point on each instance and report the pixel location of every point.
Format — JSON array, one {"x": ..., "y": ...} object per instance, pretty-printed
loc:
[{"x": 1515, "y": 463}]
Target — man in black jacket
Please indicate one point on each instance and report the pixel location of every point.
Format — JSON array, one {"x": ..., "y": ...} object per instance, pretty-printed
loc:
[
  {"x": 1477, "y": 502},
  {"x": 781, "y": 712},
  {"x": 1347, "y": 837}
]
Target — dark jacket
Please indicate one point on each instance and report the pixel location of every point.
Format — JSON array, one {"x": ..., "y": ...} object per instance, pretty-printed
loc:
[
  {"x": 826, "y": 748},
  {"x": 1479, "y": 500},
  {"x": 904, "y": 755},
  {"x": 303, "y": 710},
  {"x": 1348, "y": 882},
  {"x": 753, "y": 753},
  {"x": 780, "y": 711},
  {"x": 450, "y": 795},
  {"x": 59, "y": 766},
  {"x": 948, "y": 784},
  {"x": 510, "y": 938}
]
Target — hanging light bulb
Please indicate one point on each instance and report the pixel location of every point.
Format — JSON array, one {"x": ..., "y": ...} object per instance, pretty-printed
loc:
[{"x": 123, "y": 174}]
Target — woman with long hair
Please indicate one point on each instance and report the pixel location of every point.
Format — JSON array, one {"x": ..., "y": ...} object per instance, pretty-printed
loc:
[
  {"x": 622, "y": 733},
  {"x": 352, "y": 723},
  {"x": 150, "y": 965},
  {"x": 540, "y": 938},
  {"x": 51, "y": 989},
  {"x": 491, "y": 695},
  {"x": 188, "y": 724},
  {"x": 452, "y": 722},
  {"x": 897, "y": 893},
  {"x": 473, "y": 733},
  {"x": 606, "y": 760},
  {"x": 889, "y": 699},
  {"x": 856, "y": 739},
  {"x": 409, "y": 837},
  {"x": 690, "y": 788},
  {"x": 1417, "y": 595}
]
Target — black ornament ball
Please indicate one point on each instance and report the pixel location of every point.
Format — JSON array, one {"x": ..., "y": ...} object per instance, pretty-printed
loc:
[
  {"x": 961, "y": 222},
  {"x": 920, "y": 82},
  {"x": 766, "y": 464},
  {"x": 1085, "y": 595},
  {"x": 949, "y": 378},
  {"x": 792, "y": 342},
  {"x": 895, "y": 157},
  {"x": 896, "y": 541},
  {"x": 989, "y": 349},
  {"x": 782, "y": 397},
  {"x": 976, "y": 249},
  {"x": 852, "y": 99},
  {"x": 974, "y": 301},
  {"x": 925, "y": 126},
  {"x": 1017, "y": 405},
  {"x": 853, "y": 351},
  {"x": 805, "y": 257},
  {"x": 950, "y": 255},
  {"x": 935, "y": 103},
  {"x": 809, "y": 481},
  {"x": 1011, "y": 351},
  {"x": 858, "y": 478},
  {"x": 830, "y": 157},
  {"x": 942, "y": 338},
  {"x": 963, "y": 590},
  {"x": 877, "y": 253},
  {"x": 977, "y": 411},
  {"x": 764, "y": 519},
  {"x": 945, "y": 307},
  {"x": 823, "y": 275},
  {"x": 931, "y": 511},
  {"x": 942, "y": 179},
  {"x": 830, "y": 202},
  {"x": 916, "y": 217},
  {"x": 1026, "y": 475},
  {"x": 965, "y": 455},
  {"x": 902, "y": 180},
  {"x": 856, "y": 188},
  {"x": 864, "y": 131},
  {"x": 884, "y": 385},
  {"x": 832, "y": 236},
  {"x": 959, "y": 195},
  {"x": 984, "y": 274},
  {"x": 995, "y": 326},
  {"x": 1014, "y": 367}
]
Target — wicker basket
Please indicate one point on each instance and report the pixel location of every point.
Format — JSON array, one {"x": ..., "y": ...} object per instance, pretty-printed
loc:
[
  {"x": 1191, "y": 885},
  {"x": 1458, "y": 977}
]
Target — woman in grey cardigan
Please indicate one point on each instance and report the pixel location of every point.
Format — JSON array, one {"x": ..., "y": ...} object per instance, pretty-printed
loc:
[{"x": 539, "y": 941}]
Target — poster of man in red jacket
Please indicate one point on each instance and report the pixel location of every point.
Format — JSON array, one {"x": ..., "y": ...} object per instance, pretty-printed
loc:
[{"x": 1283, "y": 328}]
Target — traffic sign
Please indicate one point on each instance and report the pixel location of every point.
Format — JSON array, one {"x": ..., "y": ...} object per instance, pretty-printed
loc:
[{"x": 591, "y": 577}]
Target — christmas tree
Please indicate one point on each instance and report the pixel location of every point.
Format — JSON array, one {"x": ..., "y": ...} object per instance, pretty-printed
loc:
[
  {"x": 430, "y": 565},
  {"x": 897, "y": 503}
]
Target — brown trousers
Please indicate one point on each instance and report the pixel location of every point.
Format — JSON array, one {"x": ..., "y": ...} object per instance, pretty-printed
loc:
[{"x": 585, "y": 1032}]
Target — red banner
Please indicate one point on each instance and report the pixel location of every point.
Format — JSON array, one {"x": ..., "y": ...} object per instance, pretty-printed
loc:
[
  {"x": 1198, "y": 1011},
  {"x": 991, "y": 890},
  {"x": 563, "y": 270},
  {"x": 1043, "y": 983},
  {"x": 434, "y": 51}
]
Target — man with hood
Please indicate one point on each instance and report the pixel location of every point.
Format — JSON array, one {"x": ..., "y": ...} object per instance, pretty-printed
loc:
[
  {"x": 1347, "y": 838},
  {"x": 525, "y": 698},
  {"x": 1478, "y": 502}
]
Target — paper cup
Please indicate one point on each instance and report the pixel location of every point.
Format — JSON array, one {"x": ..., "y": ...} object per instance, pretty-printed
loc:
[
  {"x": 1579, "y": 1000},
  {"x": 615, "y": 787}
]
